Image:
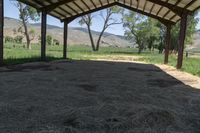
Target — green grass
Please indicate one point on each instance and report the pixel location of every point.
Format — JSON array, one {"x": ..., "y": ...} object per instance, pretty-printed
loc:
[{"x": 19, "y": 55}]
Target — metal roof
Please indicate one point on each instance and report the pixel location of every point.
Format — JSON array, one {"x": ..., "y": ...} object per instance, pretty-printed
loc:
[{"x": 168, "y": 11}]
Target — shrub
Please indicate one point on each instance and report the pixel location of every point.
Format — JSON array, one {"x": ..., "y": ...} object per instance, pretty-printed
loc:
[
  {"x": 49, "y": 40},
  {"x": 18, "y": 39},
  {"x": 9, "y": 39},
  {"x": 56, "y": 42}
]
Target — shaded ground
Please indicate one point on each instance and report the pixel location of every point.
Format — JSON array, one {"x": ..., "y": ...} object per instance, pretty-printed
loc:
[{"x": 95, "y": 97}]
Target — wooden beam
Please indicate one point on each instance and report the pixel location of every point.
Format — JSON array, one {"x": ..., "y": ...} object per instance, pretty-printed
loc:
[
  {"x": 151, "y": 8},
  {"x": 27, "y": 3},
  {"x": 167, "y": 43},
  {"x": 138, "y": 2},
  {"x": 43, "y": 36},
  {"x": 65, "y": 36},
  {"x": 101, "y": 2},
  {"x": 160, "y": 9},
  {"x": 162, "y": 20},
  {"x": 182, "y": 34},
  {"x": 71, "y": 8},
  {"x": 1, "y": 30},
  {"x": 69, "y": 19},
  {"x": 85, "y": 5},
  {"x": 189, "y": 4},
  {"x": 51, "y": 7},
  {"x": 144, "y": 6},
  {"x": 78, "y": 6},
  {"x": 176, "y": 9},
  {"x": 93, "y": 3}
]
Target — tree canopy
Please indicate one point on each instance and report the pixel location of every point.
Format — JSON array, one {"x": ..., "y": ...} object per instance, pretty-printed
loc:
[{"x": 150, "y": 33}]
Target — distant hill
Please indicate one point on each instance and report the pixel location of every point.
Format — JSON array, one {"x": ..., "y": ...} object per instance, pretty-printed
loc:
[
  {"x": 196, "y": 43},
  {"x": 77, "y": 35}
]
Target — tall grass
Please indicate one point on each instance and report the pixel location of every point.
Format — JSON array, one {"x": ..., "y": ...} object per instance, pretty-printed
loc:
[{"x": 19, "y": 54}]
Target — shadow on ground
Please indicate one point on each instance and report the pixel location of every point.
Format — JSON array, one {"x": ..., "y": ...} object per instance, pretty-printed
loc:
[
  {"x": 95, "y": 97},
  {"x": 12, "y": 61}
]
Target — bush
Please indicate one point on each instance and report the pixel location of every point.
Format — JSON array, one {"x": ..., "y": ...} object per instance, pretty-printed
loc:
[
  {"x": 49, "y": 40},
  {"x": 56, "y": 42},
  {"x": 9, "y": 39},
  {"x": 18, "y": 39}
]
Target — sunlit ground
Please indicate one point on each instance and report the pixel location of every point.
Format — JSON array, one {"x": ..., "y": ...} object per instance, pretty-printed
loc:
[{"x": 18, "y": 54}]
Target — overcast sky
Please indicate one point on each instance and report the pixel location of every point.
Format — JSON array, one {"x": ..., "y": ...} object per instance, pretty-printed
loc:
[{"x": 11, "y": 11}]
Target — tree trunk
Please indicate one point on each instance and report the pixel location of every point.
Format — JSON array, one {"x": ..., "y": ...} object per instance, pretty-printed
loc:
[
  {"x": 28, "y": 41},
  {"x": 91, "y": 38},
  {"x": 140, "y": 46},
  {"x": 99, "y": 40},
  {"x": 139, "y": 50}
]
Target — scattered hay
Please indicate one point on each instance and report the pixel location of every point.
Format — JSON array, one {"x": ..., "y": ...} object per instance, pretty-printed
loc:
[
  {"x": 137, "y": 69},
  {"x": 163, "y": 82},
  {"x": 88, "y": 87},
  {"x": 95, "y": 97}
]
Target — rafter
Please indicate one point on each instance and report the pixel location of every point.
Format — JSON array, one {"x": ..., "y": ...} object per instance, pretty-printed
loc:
[
  {"x": 189, "y": 4},
  {"x": 85, "y": 4},
  {"x": 57, "y": 10},
  {"x": 78, "y": 6},
  {"x": 178, "y": 10},
  {"x": 69, "y": 19},
  {"x": 162, "y": 20},
  {"x": 145, "y": 5},
  {"x": 51, "y": 7}
]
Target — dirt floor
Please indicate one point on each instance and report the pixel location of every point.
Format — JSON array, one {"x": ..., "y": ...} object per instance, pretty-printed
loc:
[{"x": 95, "y": 97}]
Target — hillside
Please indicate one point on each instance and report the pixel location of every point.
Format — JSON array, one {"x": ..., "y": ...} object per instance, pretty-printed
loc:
[
  {"x": 76, "y": 36},
  {"x": 196, "y": 43}
]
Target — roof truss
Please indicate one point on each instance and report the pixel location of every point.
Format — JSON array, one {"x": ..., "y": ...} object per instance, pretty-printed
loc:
[{"x": 164, "y": 10}]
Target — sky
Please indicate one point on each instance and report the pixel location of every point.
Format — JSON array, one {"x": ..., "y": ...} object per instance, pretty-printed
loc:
[{"x": 11, "y": 11}]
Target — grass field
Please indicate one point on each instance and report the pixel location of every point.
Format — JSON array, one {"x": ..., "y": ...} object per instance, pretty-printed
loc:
[{"x": 18, "y": 54}]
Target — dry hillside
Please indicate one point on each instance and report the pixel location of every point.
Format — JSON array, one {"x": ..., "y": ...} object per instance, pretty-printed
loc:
[{"x": 77, "y": 36}]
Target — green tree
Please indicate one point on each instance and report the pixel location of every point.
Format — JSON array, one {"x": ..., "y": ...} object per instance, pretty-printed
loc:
[
  {"x": 9, "y": 39},
  {"x": 136, "y": 28},
  {"x": 26, "y": 13},
  {"x": 148, "y": 32},
  {"x": 191, "y": 29},
  {"x": 153, "y": 33}
]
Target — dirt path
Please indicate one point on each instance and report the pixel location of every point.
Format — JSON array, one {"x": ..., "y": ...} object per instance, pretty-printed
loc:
[{"x": 186, "y": 78}]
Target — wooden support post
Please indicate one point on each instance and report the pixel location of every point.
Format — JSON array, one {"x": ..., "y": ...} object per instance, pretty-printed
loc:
[
  {"x": 43, "y": 36},
  {"x": 167, "y": 43},
  {"x": 182, "y": 34},
  {"x": 1, "y": 30},
  {"x": 65, "y": 40}
]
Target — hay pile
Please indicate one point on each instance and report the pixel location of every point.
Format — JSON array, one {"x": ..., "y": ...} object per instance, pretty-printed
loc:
[{"x": 95, "y": 97}]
